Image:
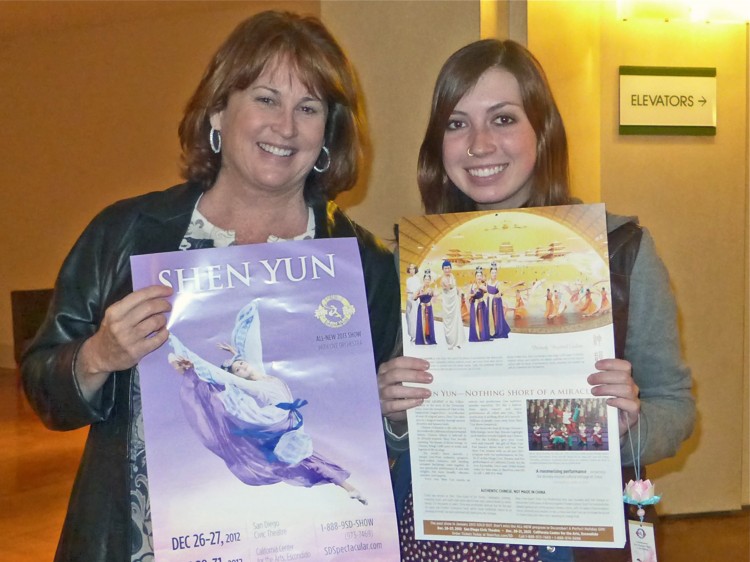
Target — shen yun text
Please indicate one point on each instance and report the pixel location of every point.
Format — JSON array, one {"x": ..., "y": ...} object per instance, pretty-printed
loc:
[
  {"x": 229, "y": 276},
  {"x": 509, "y": 392}
]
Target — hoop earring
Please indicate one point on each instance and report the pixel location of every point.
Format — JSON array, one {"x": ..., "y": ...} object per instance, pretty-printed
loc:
[
  {"x": 468, "y": 151},
  {"x": 214, "y": 139},
  {"x": 322, "y": 169}
]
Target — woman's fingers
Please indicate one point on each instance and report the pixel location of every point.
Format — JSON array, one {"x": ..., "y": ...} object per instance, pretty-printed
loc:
[
  {"x": 395, "y": 397},
  {"x": 404, "y": 369},
  {"x": 132, "y": 328},
  {"x": 139, "y": 313},
  {"x": 615, "y": 380},
  {"x": 401, "y": 392},
  {"x": 395, "y": 410}
]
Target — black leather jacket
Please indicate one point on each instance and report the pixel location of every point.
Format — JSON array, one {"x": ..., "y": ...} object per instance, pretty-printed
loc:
[{"x": 96, "y": 274}]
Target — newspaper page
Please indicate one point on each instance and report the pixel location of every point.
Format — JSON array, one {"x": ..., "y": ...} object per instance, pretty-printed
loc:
[
  {"x": 262, "y": 422},
  {"x": 512, "y": 309}
]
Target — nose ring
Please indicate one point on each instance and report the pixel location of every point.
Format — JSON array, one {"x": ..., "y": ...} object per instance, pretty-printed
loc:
[{"x": 469, "y": 152}]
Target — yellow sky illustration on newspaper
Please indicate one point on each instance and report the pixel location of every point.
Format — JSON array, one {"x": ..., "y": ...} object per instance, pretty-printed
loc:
[{"x": 518, "y": 241}]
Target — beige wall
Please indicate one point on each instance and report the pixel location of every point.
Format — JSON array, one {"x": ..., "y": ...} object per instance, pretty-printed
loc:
[
  {"x": 689, "y": 191},
  {"x": 89, "y": 116},
  {"x": 398, "y": 49},
  {"x": 574, "y": 72}
]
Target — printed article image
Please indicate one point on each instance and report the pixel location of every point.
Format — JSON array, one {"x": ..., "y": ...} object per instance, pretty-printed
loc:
[
  {"x": 482, "y": 276},
  {"x": 567, "y": 424}
]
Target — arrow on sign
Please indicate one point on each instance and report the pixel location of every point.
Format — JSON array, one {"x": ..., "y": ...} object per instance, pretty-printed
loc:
[{"x": 703, "y": 101}]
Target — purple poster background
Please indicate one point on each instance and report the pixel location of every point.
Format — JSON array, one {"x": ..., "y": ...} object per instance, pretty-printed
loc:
[{"x": 314, "y": 329}]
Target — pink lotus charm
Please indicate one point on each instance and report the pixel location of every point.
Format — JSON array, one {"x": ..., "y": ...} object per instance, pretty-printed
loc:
[{"x": 640, "y": 492}]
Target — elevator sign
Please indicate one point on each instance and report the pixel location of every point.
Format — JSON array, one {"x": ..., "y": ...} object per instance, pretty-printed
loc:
[{"x": 660, "y": 100}]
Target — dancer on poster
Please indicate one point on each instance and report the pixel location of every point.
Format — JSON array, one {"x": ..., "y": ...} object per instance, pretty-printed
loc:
[
  {"x": 536, "y": 437},
  {"x": 249, "y": 418},
  {"x": 479, "y": 327},
  {"x": 596, "y": 435},
  {"x": 582, "y": 435},
  {"x": 499, "y": 327},
  {"x": 452, "y": 322},
  {"x": 413, "y": 284},
  {"x": 549, "y": 307},
  {"x": 588, "y": 307},
  {"x": 557, "y": 303},
  {"x": 425, "y": 334},
  {"x": 520, "y": 311}
]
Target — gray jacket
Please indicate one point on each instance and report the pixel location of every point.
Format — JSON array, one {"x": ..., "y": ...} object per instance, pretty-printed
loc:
[{"x": 653, "y": 348}]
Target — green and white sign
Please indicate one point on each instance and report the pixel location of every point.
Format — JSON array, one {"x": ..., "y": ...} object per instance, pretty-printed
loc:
[{"x": 660, "y": 100}]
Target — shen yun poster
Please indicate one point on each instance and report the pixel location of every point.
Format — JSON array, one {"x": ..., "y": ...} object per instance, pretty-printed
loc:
[
  {"x": 512, "y": 309},
  {"x": 262, "y": 422}
]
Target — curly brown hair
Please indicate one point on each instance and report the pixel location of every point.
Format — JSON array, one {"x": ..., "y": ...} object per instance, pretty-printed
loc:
[{"x": 322, "y": 66}]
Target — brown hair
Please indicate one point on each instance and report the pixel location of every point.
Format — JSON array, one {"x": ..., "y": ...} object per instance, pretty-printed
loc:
[
  {"x": 323, "y": 68},
  {"x": 459, "y": 75}
]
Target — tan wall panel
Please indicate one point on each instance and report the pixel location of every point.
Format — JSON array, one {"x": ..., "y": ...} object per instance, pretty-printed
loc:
[
  {"x": 89, "y": 116},
  {"x": 691, "y": 193},
  {"x": 571, "y": 59},
  {"x": 398, "y": 49}
]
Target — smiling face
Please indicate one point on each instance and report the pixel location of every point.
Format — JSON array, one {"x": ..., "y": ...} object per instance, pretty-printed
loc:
[
  {"x": 489, "y": 147},
  {"x": 272, "y": 133}
]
